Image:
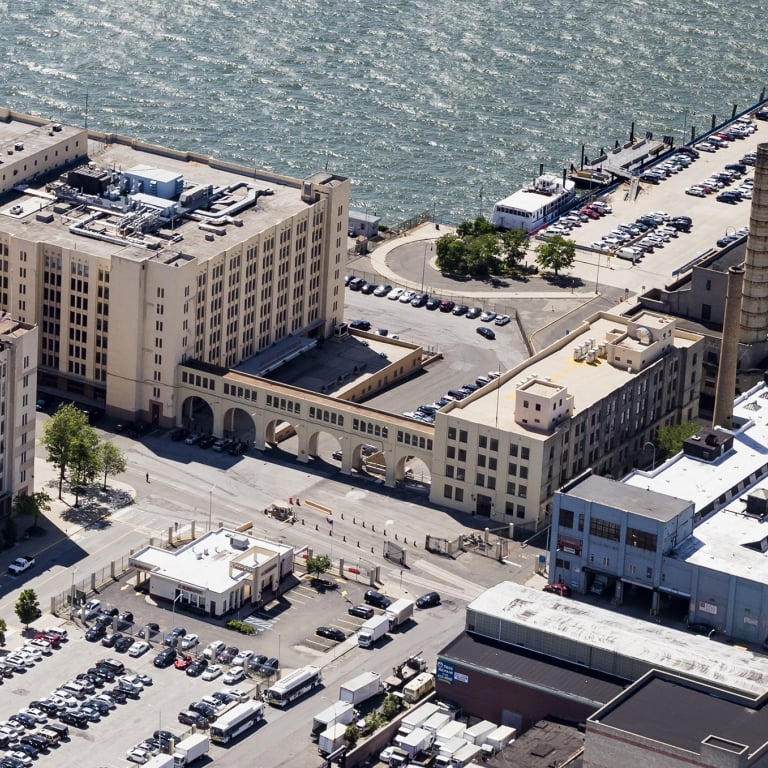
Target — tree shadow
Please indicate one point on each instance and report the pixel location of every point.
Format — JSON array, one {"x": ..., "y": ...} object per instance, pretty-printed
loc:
[{"x": 95, "y": 505}]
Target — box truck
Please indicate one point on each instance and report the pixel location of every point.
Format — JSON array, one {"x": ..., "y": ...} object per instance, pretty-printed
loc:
[
  {"x": 446, "y": 751},
  {"x": 372, "y": 630},
  {"x": 437, "y": 721},
  {"x": 478, "y": 732},
  {"x": 416, "y": 742},
  {"x": 190, "y": 749},
  {"x": 331, "y": 739},
  {"x": 361, "y": 688},
  {"x": 451, "y": 730},
  {"x": 399, "y": 612},
  {"x": 342, "y": 712},
  {"x": 499, "y": 738},
  {"x": 414, "y": 719},
  {"x": 160, "y": 761},
  {"x": 419, "y": 687},
  {"x": 465, "y": 755}
]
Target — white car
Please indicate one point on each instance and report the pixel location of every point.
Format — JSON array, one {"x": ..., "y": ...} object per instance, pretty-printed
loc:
[
  {"x": 42, "y": 644},
  {"x": 190, "y": 641},
  {"x": 132, "y": 680},
  {"x": 386, "y": 754},
  {"x": 31, "y": 651},
  {"x": 36, "y": 714},
  {"x": 212, "y": 672},
  {"x": 20, "y": 564},
  {"x": 396, "y": 294},
  {"x": 22, "y": 757},
  {"x": 11, "y": 736},
  {"x": 235, "y": 675},
  {"x": 90, "y": 609},
  {"x": 137, "y": 755},
  {"x": 60, "y": 696},
  {"x": 106, "y": 699},
  {"x": 502, "y": 320},
  {"x": 213, "y": 649},
  {"x": 242, "y": 658},
  {"x": 407, "y": 297},
  {"x": 137, "y": 649},
  {"x": 11, "y": 729},
  {"x": 238, "y": 694}
]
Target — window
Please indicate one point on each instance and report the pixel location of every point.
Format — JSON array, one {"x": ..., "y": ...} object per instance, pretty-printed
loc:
[
  {"x": 513, "y": 450},
  {"x": 480, "y": 460},
  {"x": 604, "y": 529},
  {"x": 463, "y": 436},
  {"x": 451, "y": 433},
  {"x": 706, "y": 312},
  {"x": 522, "y": 491},
  {"x": 641, "y": 539},
  {"x": 480, "y": 479},
  {"x": 524, "y": 472},
  {"x": 566, "y": 518},
  {"x": 449, "y": 470},
  {"x": 491, "y": 484},
  {"x": 511, "y": 489},
  {"x": 525, "y": 453},
  {"x": 451, "y": 452},
  {"x": 459, "y": 494},
  {"x": 448, "y": 491},
  {"x": 482, "y": 441}
]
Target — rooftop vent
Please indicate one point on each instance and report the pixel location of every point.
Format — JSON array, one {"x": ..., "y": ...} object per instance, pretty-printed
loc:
[{"x": 238, "y": 542}]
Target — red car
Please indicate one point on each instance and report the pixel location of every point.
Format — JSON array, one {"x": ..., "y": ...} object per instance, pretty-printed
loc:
[
  {"x": 183, "y": 661},
  {"x": 54, "y": 640},
  {"x": 558, "y": 589}
]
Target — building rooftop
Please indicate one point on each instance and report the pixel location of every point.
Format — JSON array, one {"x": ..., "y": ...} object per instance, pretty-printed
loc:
[
  {"x": 206, "y": 562},
  {"x": 656, "y": 646},
  {"x": 727, "y": 540},
  {"x": 629, "y": 498},
  {"x": 543, "y": 745},
  {"x": 588, "y": 382},
  {"x": 533, "y": 669},
  {"x": 542, "y": 191},
  {"x": 674, "y": 711}
]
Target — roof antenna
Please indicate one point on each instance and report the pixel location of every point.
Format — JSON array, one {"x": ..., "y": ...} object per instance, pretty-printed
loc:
[{"x": 86, "y": 109}]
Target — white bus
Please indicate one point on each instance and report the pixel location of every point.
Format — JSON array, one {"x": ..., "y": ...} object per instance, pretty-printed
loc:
[
  {"x": 294, "y": 686},
  {"x": 238, "y": 720}
]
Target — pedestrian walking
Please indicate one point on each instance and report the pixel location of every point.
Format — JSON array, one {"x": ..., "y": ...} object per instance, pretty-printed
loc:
[{"x": 147, "y": 476}]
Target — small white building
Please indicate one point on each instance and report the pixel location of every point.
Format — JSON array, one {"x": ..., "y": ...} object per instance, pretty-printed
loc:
[{"x": 222, "y": 571}]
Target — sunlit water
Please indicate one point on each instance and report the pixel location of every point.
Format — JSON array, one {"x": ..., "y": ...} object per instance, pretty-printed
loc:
[{"x": 440, "y": 103}]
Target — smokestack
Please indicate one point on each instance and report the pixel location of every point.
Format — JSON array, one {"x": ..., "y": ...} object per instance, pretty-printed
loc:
[
  {"x": 754, "y": 305},
  {"x": 725, "y": 391}
]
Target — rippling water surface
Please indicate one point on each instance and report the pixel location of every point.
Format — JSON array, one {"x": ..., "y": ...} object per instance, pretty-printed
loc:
[{"x": 443, "y": 103}]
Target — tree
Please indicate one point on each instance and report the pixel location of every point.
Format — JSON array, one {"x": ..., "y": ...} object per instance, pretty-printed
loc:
[
  {"x": 62, "y": 432},
  {"x": 3, "y": 629},
  {"x": 32, "y": 504},
  {"x": 318, "y": 564},
  {"x": 84, "y": 460},
  {"x": 513, "y": 246},
  {"x": 556, "y": 253},
  {"x": 669, "y": 440},
  {"x": 390, "y": 706},
  {"x": 111, "y": 461},
  {"x": 27, "y": 607},
  {"x": 352, "y": 734}
]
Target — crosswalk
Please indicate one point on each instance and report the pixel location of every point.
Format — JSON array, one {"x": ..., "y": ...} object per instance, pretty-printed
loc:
[{"x": 259, "y": 624}]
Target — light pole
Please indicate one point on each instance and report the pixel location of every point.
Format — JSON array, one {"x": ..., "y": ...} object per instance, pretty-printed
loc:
[
  {"x": 597, "y": 278},
  {"x": 72, "y": 592},
  {"x": 173, "y": 612},
  {"x": 653, "y": 448},
  {"x": 210, "y": 505},
  {"x": 424, "y": 264}
]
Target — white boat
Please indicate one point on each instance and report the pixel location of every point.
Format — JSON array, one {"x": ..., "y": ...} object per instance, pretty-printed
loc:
[{"x": 535, "y": 205}]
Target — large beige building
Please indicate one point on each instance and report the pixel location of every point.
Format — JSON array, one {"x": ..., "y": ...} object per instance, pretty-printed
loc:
[
  {"x": 133, "y": 258},
  {"x": 18, "y": 379}
]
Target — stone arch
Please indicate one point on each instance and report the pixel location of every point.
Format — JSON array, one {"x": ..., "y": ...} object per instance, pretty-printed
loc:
[
  {"x": 239, "y": 425},
  {"x": 197, "y": 415}
]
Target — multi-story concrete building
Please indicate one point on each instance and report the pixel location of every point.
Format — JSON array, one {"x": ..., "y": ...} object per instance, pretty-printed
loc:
[
  {"x": 18, "y": 382},
  {"x": 138, "y": 258},
  {"x": 593, "y": 399},
  {"x": 686, "y": 539}
]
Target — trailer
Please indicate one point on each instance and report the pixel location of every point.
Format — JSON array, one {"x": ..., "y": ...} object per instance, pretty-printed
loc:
[
  {"x": 415, "y": 718},
  {"x": 465, "y": 755},
  {"x": 499, "y": 738},
  {"x": 404, "y": 672},
  {"x": 399, "y": 612},
  {"x": 450, "y": 731},
  {"x": 361, "y": 688},
  {"x": 331, "y": 739},
  {"x": 479, "y": 731},
  {"x": 419, "y": 687},
  {"x": 437, "y": 721},
  {"x": 190, "y": 749},
  {"x": 372, "y": 630},
  {"x": 341, "y": 712},
  {"x": 416, "y": 742}
]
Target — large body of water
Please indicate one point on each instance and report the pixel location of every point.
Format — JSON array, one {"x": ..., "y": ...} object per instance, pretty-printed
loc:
[{"x": 448, "y": 104}]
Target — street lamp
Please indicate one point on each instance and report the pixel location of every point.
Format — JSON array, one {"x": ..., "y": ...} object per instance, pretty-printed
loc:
[
  {"x": 424, "y": 264},
  {"x": 653, "y": 448},
  {"x": 173, "y": 612},
  {"x": 72, "y": 592}
]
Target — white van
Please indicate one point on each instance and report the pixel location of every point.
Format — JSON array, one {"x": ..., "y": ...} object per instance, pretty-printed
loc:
[{"x": 629, "y": 253}]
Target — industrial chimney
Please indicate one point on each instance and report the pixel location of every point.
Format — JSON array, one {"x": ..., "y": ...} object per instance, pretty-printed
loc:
[{"x": 729, "y": 350}]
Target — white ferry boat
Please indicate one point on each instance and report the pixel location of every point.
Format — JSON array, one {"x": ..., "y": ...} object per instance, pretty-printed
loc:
[{"x": 536, "y": 205}]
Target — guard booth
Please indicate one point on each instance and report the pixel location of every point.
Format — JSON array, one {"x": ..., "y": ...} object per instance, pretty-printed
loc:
[{"x": 280, "y": 510}]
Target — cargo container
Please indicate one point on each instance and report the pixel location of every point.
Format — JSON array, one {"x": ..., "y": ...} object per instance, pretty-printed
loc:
[
  {"x": 465, "y": 755},
  {"x": 361, "y": 688},
  {"x": 418, "y": 716},
  {"x": 479, "y": 731},
  {"x": 416, "y": 742},
  {"x": 399, "y": 612},
  {"x": 341, "y": 712},
  {"x": 499, "y": 738},
  {"x": 437, "y": 721}
]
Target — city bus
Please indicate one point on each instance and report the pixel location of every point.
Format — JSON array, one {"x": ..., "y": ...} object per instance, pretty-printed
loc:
[
  {"x": 294, "y": 686},
  {"x": 238, "y": 720}
]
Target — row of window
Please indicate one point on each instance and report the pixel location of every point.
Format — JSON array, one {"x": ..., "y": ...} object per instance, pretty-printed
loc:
[
  {"x": 282, "y": 404},
  {"x": 321, "y": 414},
  {"x": 369, "y": 428},
  {"x": 244, "y": 393},
  {"x": 196, "y": 380}
]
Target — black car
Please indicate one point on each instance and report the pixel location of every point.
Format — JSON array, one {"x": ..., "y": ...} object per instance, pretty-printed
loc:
[
  {"x": 331, "y": 633},
  {"x": 206, "y": 710},
  {"x": 123, "y": 643},
  {"x": 28, "y": 749},
  {"x": 100, "y": 706},
  {"x": 473, "y": 313},
  {"x": 22, "y": 718},
  {"x": 361, "y": 611},
  {"x": 125, "y": 617},
  {"x": 192, "y": 718},
  {"x": 460, "y": 309},
  {"x": 196, "y": 667},
  {"x": 179, "y": 434},
  {"x": 229, "y": 653},
  {"x": 433, "y": 304},
  {"x": 420, "y": 299},
  {"x": 48, "y": 707},
  {"x": 486, "y": 332},
  {"x": 376, "y": 599},
  {"x": 428, "y": 600},
  {"x": 149, "y": 630},
  {"x": 110, "y": 640},
  {"x": 165, "y": 658},
  {"x": 117, "y": 695},
  {"x": 369, "y": 288},
  {"x": 94, "y": 680},
  {"x": 74, "y": 718},
  {"x": 270, "y": 666},
  {"x": 222, "y": 697},
  {"x": 95, "y": 633},
  {"x": 105, "y": 673},
  {"x": 172, "y": 638},
  {"x": 360, "y": 325},
  {"x": 40, "y": 743},
  {"x": 114, "y": 665}
]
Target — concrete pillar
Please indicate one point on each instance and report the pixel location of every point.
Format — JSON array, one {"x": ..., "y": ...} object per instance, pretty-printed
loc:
[
  {"x": 655, "y": 603},
  {"x": 341, "y": 566},
  {"x": 112, "y": 569},
  {"x": 93, "y": 582},
  {"x": 729, "y": 350},
  {"x": 754, "y": 307}
]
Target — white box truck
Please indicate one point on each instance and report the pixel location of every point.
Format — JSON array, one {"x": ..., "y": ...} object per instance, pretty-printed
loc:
[
  {"x": 372, "y": 631},
  {"x": 414, "y": 719},
  {"x": 190, "y": 749},
  {"x": 465, "y": 755},
  {"x": 399, "y": 612},
  {"x": 416, "y": 742},
  {"x": 341, "y": 712},
  {"x": 437, "y": 721},
  {"x": 361, "y": 688},
  {"x": 499, "y": 738},
  {"x": 331, "y": 739},
  {"x": 450, "y": 731},
  {"x": 478, "y": 732},
  {"x": 446, "y": 750},
  {"x": 160, "y": 761}
]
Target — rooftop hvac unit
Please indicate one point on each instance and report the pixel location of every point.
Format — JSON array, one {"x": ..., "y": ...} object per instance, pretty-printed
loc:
[{"x": 238, "y": 542}]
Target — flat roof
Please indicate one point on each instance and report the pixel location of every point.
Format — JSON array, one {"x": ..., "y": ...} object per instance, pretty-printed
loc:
[
  {"x": 682, "y": 714},
  {"x": 629, "y": 498},
  {"x": 205, "y": 562},
  {"x": 494, "y": 404},
  {"x": 534, "y": 670},
  {"x": 543, "y": 745},
  {"x": 721, "y": 541},
  {"x": 657, "y": 646},
  {"x": 526, "y": 199}
]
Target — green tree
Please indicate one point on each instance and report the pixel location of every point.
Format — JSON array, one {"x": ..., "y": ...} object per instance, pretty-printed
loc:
[
  {"x": 3, "y": 629},
  {"x": 84, "y": 460},
  {"x": 27, "y": 607},
  {"x": 32, "y": 504},
  {"x": 318, "y": 564},
  {"x": 111, "y": 461},
  {"x": 556, "y": 253},
  {"x": 451, "y": 254},
  {"x": 513, "y": 246},
  {"x": 65, "y": 430},
  {"x": 669, "y": 440},
  {"x": 390, "y": 706},
  {"x": 352, "y": 734}
]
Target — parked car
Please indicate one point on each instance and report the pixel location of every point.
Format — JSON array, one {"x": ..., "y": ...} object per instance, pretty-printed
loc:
[
  {"x": 165, "y": 658},
  {"x": 183, "y": 661},
  {"x": 331, "y": 633},
  {"x": 197, "y": 667},
  {"x": 149, "y": 630},
  {"x": 192, "y": 718},
  {"x": 460, "y": 309},
  {"x": 383, "y": 290},
  {"x": 190, "y": 641},
  {"x": 235, "y": 675},
  {"x": 473, "y": 313},
  {"x": 486, "y": 332},
  {"x": 502, "y": 319},
  {"x": 173, "y": 637},
  {"x": 213, "y": 649},
  {"x": 77, "y": 719},
  {"x": 376, "y": 599},
  {"x": 95, "y": 633},
  {"x": 558, "y": 588},
  {"x": 213, "y": 671},
  {"x": 361, "y": 611},
  {"x": 488, "y": 316},
  {"x": 138, "y": 649}
]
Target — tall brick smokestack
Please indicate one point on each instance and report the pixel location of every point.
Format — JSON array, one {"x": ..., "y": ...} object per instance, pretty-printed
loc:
[
  {"x": 754, "y": 304},
  {"x": 729, "y": 351}
]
